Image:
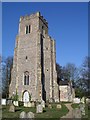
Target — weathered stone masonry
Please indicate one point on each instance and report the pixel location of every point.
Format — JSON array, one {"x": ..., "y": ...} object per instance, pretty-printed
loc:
[{"x": 34, "y": 52}]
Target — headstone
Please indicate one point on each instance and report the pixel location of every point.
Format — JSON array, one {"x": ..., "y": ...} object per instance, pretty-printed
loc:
[
  {"x": 30, "y": 115},
  {"x": 43, "y": 103},
  {"x": 76, "y": 100},
  {"x": 27, "y": 104},
  {"x": 58, "y": 106},
  {"x": 9, "y": 102},
  {"x": 23, "y": 115},
  {"x": 50, "y": 100},
  {"x": 39, "y": 108},
  {"x": 3, "y": 101},
  {"x": 77, "y": 113},
  {"x": 12, "y": 108},
  {"x": 50, "y": 106},
  {"x": 15, "y": 103},
  {"x": 87, "y": 100},
  {"x": 83, "y": 100},
  {"x": 82, "y": 108},
  {"x": 32, "y": 104},
  {"x": 57, "y": 100}
]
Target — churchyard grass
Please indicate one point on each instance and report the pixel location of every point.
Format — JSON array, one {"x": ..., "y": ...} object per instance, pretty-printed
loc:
[
  {"x": 53, "y": 112},
  {"x": 87, "y": 111},
  {"x": 48, "y": 113},
  {"x": 75, "y": 105}
]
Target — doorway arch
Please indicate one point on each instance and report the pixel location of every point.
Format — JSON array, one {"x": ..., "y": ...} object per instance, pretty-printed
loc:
[{"x": 25, "y": 96}]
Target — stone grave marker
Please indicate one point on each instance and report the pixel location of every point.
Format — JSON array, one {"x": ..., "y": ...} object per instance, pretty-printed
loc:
[
  {"x": 30, "y": 115},
  {"x": 9, "y": 102},
  {"x": 82, "y": 108},
  {"x": 12, "y": 108},
  {"x": 3, "y": 101},
  {"x": 83, "y": 100},
  {"x": 32, "y": 104},
  {"x": 50, "y": 106},
  {"x": 58, "y": 106},
  {"x": 16, "y": 103},
  {"x": 39, "y": 108},
  {"x": 23, "y": 115}
]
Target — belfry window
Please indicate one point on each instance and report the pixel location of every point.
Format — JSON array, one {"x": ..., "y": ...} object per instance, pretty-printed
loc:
[
  {"x": 26, "y": 78},
  {"x": 27, "y": 29}
]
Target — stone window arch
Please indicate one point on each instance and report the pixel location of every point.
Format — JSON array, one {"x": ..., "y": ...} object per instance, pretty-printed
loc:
[{"x": 26, "y": 78}]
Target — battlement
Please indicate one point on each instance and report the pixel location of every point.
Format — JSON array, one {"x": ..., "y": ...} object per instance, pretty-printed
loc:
[{"x": 37, "y": 14}]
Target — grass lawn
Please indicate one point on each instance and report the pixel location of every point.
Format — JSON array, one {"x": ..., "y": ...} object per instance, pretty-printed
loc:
[
  {"x": 48, "y": 113},
  {"x": 75, "y": 105}
]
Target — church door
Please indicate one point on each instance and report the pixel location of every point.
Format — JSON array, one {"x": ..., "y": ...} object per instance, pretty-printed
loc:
[{"x": 26, "y": 96}]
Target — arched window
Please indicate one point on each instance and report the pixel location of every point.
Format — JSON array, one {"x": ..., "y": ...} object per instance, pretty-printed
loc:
[
  {"x": 27, "y": 29},
  {"x": 26, "y": 78}
]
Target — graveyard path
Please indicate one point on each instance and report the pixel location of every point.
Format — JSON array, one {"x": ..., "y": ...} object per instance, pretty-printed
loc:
[{"x": 70, "y": 113}]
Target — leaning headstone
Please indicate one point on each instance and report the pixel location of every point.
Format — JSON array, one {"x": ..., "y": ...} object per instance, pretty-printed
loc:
[
  {"x": 58, "y": 106},
  {"x": 23, "y": 115},
  {"x": 39, "y": 108},
  {"x": 30, "y": 115},
  {"x": 43, "y": 103},
  {"x": 12, "y": 108},
  {"x": 77, "y": 113}
]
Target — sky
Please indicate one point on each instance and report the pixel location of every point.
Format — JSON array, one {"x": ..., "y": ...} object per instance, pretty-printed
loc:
[{"x": 68, "y": 25}]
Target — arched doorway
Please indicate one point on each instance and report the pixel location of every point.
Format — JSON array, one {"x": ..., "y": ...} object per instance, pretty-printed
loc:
[{"x": 26, "y": 96}]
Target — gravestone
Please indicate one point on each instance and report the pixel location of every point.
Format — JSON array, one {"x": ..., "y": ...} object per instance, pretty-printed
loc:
[
  {"x": 77, "y": 113},
  {"x": 50, "y": 106},
  {"x": 3, "y": 101},
  {"x": 15, "y": 103},
  {"x": 83, "y": 100},
  {"x": 51, "y": 100},
  {"x": 9, "y": 102},
  {"x": 82, "y": 108},
  {"x": 87, "y": 101},
  {"x": 27, "y": 104},
  {"x": 23, "y": 115},
  {"x": 12, "y": 108},
  {"x": 39, "y": 108},
  {"x": 32, "y": 104},
  {"x": 43, "y": 103},
  {"x": 58, "y": 106},
  {"x": 30, "y": 115}
]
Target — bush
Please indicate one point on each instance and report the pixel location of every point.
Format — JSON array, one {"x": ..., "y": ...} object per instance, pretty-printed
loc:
[{"x": 21, "y": 103}]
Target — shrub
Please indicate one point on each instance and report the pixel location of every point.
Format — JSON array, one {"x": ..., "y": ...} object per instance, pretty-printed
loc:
[{"x": 21, "y": 103}]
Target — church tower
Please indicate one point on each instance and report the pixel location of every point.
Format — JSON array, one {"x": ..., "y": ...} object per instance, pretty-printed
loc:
[{"x": 34, "y": 64}]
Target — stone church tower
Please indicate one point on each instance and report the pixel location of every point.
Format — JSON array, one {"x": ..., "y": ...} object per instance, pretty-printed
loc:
[{"x": 34, "y": 64}]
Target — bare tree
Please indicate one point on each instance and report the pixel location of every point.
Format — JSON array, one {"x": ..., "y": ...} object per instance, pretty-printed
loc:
[{"x": 6, "y": 75}]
